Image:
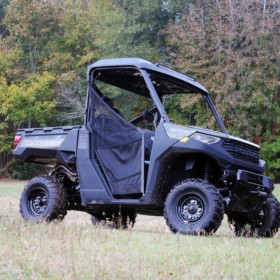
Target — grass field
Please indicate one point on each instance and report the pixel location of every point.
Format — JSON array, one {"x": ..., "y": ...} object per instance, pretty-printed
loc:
[{"x": 74, "y": 249}]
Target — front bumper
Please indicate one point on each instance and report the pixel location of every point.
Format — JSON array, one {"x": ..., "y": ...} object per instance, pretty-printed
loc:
[
  {"x": 249, "y": 192},
  {"x": 254, "y": 181}
]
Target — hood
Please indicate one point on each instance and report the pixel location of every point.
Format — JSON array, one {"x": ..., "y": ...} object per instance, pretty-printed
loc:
[{"x": 178, "y": 131}]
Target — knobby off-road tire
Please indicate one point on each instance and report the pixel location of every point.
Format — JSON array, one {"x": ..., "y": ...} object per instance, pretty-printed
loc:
[
  {"x": 265, "y": 224},
  {"x": 194, "y": 207},
  {"x": 117, "y": 220},
  {"x": 43, "y": 199}
]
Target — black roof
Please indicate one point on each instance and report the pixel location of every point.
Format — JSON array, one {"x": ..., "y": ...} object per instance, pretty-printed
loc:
[{"x": 143, "y": 64}]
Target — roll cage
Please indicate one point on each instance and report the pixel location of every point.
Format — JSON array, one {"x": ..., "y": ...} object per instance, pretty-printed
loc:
[{"x": 150, "y": 81}]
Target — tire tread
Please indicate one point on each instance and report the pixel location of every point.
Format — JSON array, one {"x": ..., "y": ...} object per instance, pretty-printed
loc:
[
  {"x": 58, "y": 198},
  {"x": 215, "y": 223}
]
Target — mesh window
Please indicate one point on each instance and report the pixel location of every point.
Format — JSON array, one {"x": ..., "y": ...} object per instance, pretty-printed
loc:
[{"x": 118, "y": 146}]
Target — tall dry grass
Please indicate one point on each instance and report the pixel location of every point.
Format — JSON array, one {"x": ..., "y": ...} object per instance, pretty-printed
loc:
[{"x": 74, "y": 249}]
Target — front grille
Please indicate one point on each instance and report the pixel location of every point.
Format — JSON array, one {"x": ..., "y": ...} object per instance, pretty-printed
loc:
[{"x": 242, "y": 151}]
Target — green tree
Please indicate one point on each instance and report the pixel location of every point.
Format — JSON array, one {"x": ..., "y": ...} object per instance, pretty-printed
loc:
[
  {"x": 32, "y": 103},
  {"x": 140, "y": 35},
  {"x": 32, "y": 25},
  {"x": 233, "y": 48},
  {"x": 271, "y": 152},
  {"x": 3, "y": 4}
]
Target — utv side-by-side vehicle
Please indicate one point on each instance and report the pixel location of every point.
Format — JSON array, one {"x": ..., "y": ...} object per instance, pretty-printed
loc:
[{"x": 152, "y": 143}]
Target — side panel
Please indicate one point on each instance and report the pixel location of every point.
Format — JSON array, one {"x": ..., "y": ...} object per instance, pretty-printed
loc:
[{"x": 162, "y": 143}]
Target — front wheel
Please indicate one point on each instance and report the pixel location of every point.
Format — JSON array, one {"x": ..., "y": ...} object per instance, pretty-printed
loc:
[
  {"x": 194, "y": 207},
  {"x": 43, "y": 199},
  {"x": 264, "y": 224}
]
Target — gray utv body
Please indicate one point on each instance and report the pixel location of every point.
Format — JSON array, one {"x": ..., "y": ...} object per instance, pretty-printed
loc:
[{"x": 112, "y": 167}]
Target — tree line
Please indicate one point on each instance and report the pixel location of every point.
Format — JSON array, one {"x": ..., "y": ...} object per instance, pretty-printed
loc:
[{"x": 232, "y": 47}]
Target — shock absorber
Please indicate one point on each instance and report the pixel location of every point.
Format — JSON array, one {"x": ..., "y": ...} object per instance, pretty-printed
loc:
[{"x": 207, "y": 171}]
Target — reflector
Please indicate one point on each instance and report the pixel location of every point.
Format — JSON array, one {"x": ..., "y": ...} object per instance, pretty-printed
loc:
[{"x": 16, "y": 141}]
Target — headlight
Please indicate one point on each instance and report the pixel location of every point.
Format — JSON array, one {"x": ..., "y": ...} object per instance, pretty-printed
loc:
[
  {"x": 177, "y": 131},
  {"x": 207, "y": 139}
]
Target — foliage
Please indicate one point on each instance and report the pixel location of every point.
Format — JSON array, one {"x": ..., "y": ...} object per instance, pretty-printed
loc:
[
  {"x": 21, "y": 170},
  {"x": 271, "y": 153},
  {"x": 140, "y": 33},
  {"x": 33, "y": 101},
  {"x": 33, "y": 25},
  {"x": 230, "y": 46}
]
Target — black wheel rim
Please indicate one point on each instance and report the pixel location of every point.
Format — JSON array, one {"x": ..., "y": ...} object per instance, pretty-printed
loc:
[
  {"x": 37, "y": 201},
  {"x": 260, "y": 218},
  {"x": 190, "y": 209}
]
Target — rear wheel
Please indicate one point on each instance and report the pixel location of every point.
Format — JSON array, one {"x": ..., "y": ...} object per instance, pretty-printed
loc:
[
  {"x": 265, "y": 224},
  {"x": 43, "y": 199},
  {"x": 194, "y": 207}
]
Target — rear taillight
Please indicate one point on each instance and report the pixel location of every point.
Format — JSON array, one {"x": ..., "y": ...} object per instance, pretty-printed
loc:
[{"x": 16, "y": 141}]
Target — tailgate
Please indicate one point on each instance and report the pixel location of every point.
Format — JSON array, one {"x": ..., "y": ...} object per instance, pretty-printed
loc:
[{"x": 47, "y": 145}]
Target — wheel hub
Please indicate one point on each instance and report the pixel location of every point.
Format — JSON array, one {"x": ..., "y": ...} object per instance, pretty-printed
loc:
[
  {"x": 191, "y": 209},
  {"x": 40, "y": 203},
  {"x": 37, "y": 202}
]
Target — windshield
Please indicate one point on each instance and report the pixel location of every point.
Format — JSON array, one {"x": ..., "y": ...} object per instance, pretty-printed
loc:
[
  {"x": 189, "y": 110},
  {"x": 183, "y": 103}
]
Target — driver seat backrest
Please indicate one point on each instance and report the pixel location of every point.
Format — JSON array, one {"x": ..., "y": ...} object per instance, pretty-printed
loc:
[{"x": 148, "y": 143}]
